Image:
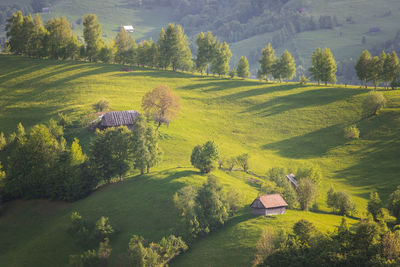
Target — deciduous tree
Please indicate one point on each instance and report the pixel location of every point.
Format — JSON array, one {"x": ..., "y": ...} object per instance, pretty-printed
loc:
[{"x": 161, "y": 104}]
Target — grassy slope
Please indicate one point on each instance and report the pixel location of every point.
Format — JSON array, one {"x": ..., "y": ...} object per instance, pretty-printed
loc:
[{"x": 278, "y": 124}]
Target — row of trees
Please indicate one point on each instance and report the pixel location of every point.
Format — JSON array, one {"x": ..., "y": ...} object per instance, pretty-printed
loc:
[
  {"x": 384, "y": 68},
  {"x": 368, "y": 244},
  {"x": 39, "y": 164}
]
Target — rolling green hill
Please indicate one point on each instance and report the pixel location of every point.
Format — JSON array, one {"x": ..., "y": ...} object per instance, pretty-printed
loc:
[{"x": 277, "y": 124}]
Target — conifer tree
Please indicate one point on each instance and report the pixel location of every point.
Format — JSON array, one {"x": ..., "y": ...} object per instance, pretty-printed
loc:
[
  {"x": 316, "y": 65},
  {"x": 390, "y": 68},
  {"x": 206, "y": 46},
  {"x": 27, "y": 33},
  {"x": 286, "y": 66},
  {"x": 363, "y": 67},
  {"x": 14, "y": 32},
  {"x": 123, "y": 43},
  {"x": 37, "y": 46},
  {"x": 220, "y": 63},
  {"x": 162, "y": 44},
  {"x": 243, "y": 68},
  {"x": 329, "y": 67},
  {"x": 92, "y": 35},
  {"x": 267, "y": 61}
]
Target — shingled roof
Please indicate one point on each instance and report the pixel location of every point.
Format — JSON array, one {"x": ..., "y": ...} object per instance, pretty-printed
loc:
[
  {"x": 119, "y": 118},
  {"x": 271, "y": 201}
]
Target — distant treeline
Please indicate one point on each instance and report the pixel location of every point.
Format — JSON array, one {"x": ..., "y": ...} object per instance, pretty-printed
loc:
[{"x": 28, "y": 36}]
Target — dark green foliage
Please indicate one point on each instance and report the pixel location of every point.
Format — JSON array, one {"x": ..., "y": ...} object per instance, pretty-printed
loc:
[
  {"x": 284, "y": 67},
  {"x": 243, "y": 161},
  {"x": 64, "y": 120},
  {"x": 375, "y": 206},
  {"x": 101, "y": 105},
  {"x": 267, "y": 62},
  {"x": 304, "y": 231},
  {"x": 368, "y": 245},
  {"x": 154, "y": 254},
  {"x": 174, "y": 48},
  {"x": 39, "y": 165},
  {"x": 111, "y": 153},
  {"x": 92, "y": 35},
  {"x": 306, "y": 192},
  {"x": 87, "y": 234},
  {"x": 340, "y": 202},
  {"x": 394, "y": 204},
  {"x": 277, "y": 183},
  {"x": 243, "y": 68},
  {"x": 205, "y": 157},
  {"x": 146, "y": 153},
  {"x": 220, "y": 62},
  {"x": 323, "y": 66},
  {"x": 211, "y": 209},
  {"x": 206, "y": 49},
  {"x": 363, "y": 67}
]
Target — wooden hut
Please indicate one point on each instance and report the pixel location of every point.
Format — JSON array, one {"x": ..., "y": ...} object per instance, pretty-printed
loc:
[
  {"x": 119, "y": 118},
  {"x": 272, "y": 204}
]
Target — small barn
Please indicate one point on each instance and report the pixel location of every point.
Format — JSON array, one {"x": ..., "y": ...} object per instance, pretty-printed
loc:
[
  {"x": 292, "y": 180},
  {"x": 129, "y": 28},
  {"x": 272, "y": 204},
  {"x": 119, "y": 118}
]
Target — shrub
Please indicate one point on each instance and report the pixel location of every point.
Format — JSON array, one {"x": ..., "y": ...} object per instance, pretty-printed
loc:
[
  {"x": 373, "y": 103},
  {"x": 101, "y": 105},
  {"x": 303, "y": 79},
  {"x": 205, "y": 157},
  {"x": 351, "y": 132},
  {"x": 340, "y": 202},
  {"x": 64, "y": 120},
  {"x": 243, "y": 161},
  {"x": 232, "y": 73}
]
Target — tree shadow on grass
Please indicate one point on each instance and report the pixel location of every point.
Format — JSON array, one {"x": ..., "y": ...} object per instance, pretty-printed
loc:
[
  {"x": 258, "y": 91},
  {"x": 377, "y": 156},
  {"x": 318, "y": 97},
  {"x": 154, "y": 73},
  {"x": 216, "y": 84},
  {"x": 310, "y": 145}
]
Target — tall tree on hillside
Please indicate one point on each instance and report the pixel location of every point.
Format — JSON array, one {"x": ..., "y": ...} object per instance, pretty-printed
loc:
[
  {"x": 376, "y": 66},
  {"x": 60, "y": 35},
  {"x": 390, "y": 68},
  {"x": 162, "y": 104},
  {"x": 174, "y": 48},
  {"x": 92, "y": 35},
  {"x": 284, "y": 67},
  {"x": 111, "y": 153},
  {"x": 37, "y": 46},
  {"x": 14, "y": 32},
  {"x": 242, "y": 69},
  {"x": 163, "y": 60},
  {"x": 27, "y": 33},
  {"x": 146, "y": 152},
  {"x": 220, "y": 63},
  {"x": 363, "y": 67},
  {"x": 206, "y": 46},
  {"x": 123, "y": 43},
  {"x": 267, "y": 61},
  {"x": 329, "y": 67},
  {"x": 316, "y": 65}
]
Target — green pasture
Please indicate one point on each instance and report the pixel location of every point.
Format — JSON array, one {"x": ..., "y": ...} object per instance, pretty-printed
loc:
[{"x": 285, "y": 125}]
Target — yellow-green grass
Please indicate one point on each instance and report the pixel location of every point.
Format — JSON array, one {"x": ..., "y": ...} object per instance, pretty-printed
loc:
[{"x": 277, "y": 124}]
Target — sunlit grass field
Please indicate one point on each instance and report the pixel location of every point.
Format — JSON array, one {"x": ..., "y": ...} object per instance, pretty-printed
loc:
[{"x": 284, "y": 125}]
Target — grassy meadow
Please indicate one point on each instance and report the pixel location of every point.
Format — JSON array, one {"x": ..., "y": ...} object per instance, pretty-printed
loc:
[{"x": 284, "y": 125}]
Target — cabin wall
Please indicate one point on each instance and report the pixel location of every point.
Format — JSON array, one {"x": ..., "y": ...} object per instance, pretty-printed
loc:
[{"x": 273, "y": 211}]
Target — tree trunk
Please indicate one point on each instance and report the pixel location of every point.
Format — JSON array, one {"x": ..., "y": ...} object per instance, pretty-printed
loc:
[
  {"x": 318, "y": 82},
  {"x": 141, "y": 171},
  {"x": 148, "y": 169},
  {"x": 120, "y": 177},
  {"x": 326, "y": 83},
  {"x": 158, "y": 126}
]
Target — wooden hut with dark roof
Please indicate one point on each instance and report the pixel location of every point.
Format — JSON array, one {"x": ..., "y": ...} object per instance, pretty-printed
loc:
[
  {"x": 272, "y": 204},
  {"x": 119, "y": 118}
]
